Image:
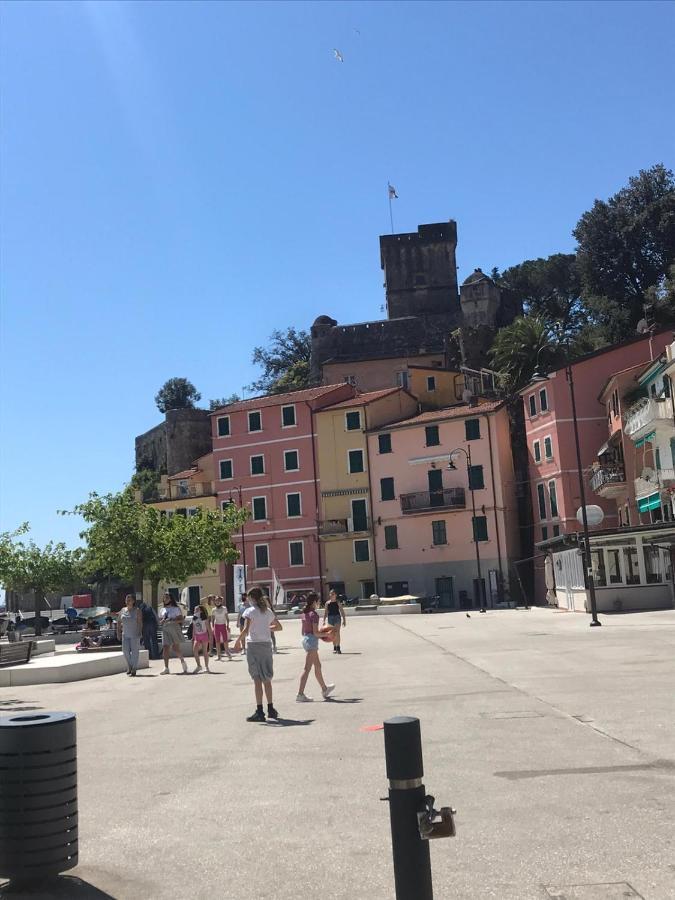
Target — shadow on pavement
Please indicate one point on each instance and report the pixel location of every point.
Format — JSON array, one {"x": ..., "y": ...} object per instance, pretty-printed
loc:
[
  {"x": 13, "y": 706},
  {"x": 286, "y": 723},
  {"x": 343, "y": 700},
  {"x": 62, "y": 886},
  {"x": 350, "y": 653}
]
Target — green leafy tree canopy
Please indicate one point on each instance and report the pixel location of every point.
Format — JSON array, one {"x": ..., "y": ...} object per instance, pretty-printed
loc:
[
  {"x": 177, "y": 393},
  {"x": 548, "y": 288},
  {"x": 223, "y": 401},
  {"x": 285, "y": 362},
  {"x": 26, "y": 567},
  {"x": 626, "y": 245},
  {"x": 131, "y": 539}
]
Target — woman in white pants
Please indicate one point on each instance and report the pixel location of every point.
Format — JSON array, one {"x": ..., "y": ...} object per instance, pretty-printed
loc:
[{"x": 129, "y": 630}]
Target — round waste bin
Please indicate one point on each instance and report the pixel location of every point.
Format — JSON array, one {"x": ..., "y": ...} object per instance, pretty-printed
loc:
[{"x": 38, "y": 795}]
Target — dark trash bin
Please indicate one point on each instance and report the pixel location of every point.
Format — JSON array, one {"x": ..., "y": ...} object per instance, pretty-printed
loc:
[{"x": 38, "y": 795}]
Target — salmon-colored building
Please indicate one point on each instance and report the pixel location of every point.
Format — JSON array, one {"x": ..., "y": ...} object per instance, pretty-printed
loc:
[
  {"x": 265, "y": 459},
  {"x": 550, "y": 437},
  {"x": 421, "y": 492}
]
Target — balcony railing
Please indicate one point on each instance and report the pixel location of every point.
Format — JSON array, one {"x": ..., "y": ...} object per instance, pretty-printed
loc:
[
  {"x": 651, "y": 480},
  {"x": 646, "y": 413},
  {"x": 604, "y": 479},
  {"x": 173, "y": 491},
  {"x": 422, "y": 501},
  {"x": 343, "y": 526}
]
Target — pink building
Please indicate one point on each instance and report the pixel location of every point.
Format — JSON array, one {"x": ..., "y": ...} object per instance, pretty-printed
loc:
[
  {"x": 550, "y": 437},
  {"x": 265, "y": 459},
  {"x": 425, "y": 533}
]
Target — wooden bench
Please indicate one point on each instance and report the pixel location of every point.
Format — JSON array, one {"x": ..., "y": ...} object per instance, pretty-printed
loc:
[{"x": 15, "y": 653}]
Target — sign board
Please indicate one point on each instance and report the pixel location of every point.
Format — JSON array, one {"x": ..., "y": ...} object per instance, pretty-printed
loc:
[
  {"x": 82, "y": 601},
  {"x": 594, "y": 515},
  {"x": 239, "y": 582}
]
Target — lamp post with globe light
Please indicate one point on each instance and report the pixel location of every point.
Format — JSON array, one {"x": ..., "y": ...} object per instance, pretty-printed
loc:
[{"x": 451, "y": 465}]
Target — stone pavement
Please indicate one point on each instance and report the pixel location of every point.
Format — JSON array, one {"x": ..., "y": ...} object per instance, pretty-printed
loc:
[{"x": 555, "y": 742}]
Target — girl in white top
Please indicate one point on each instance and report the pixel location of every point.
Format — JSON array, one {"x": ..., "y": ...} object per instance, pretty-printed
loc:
[{"x": 221, "y": 628}]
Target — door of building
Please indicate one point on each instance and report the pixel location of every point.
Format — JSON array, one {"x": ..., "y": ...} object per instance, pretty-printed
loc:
[
  {"x": 359, "y": 515},
  {"x": 367, "y": 589},
  {"x": 445, "y": 591},
  {"x": 435, "y": 477},
  {"x": 395, "y": 588}
]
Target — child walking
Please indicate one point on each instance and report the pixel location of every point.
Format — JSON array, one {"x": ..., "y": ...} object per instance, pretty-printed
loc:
[
  {"x": 221, "y": 628},
  {"x": 259, "y": 622},
  {"x": 310, "y": 644},
  {"x": 201, "y": 636}
]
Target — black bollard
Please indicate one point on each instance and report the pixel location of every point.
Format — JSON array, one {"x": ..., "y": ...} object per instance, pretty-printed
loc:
[
  {"x": 38, "y": 795},
  {"x": 412, "y": 861}
]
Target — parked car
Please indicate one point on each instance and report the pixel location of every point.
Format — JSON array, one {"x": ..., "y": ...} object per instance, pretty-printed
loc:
[
  {"x": 64, "y": 624},
  {"x": 28, "y": 623}
]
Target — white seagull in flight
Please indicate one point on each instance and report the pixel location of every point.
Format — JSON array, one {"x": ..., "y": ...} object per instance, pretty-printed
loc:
[{"x": 338, "y": 55}]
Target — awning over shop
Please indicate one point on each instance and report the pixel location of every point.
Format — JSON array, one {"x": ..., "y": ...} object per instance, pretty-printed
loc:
[
  {"x": 645, "y": 439},
  {"x": 653, "y": 501}
]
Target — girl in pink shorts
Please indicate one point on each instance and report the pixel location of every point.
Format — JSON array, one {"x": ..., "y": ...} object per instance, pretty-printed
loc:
[
  {"x": 221, "y": 629},
  {"x": 201, "y": 636}
]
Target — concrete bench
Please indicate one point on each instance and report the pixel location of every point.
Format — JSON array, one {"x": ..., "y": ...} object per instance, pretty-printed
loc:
[{"x": 15, "y": 653}]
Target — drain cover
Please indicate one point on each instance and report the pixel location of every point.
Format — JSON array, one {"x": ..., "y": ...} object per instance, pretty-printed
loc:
[{"x": 618, "y": 890}]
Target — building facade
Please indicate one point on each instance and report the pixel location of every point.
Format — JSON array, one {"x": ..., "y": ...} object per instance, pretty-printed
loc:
[
  {"x": 265, "y": 459},
  {"x": 549, "y": 428},
  {"x": 346, "y": 515},
  {"x": 182, "y": 494},
  {"x": 422, "y": 487}
]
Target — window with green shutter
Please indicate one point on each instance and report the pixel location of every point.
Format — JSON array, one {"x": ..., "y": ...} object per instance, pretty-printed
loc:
[
  {"x": 387, "y": 489},
  {"x": 384, "y": 441},
  {"x": 391, "y": 537},
  {"x": 432, "y": 436},
  {"x": 438, "y": 533},
  {"x": 476, "y": 482},
  {"x": 480, "y": 529},
  {"x": 472, "y": 429},
  {"x": 353, "y": 421}
]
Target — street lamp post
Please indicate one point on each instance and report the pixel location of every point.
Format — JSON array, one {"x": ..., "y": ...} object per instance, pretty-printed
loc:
[
  {"x": 451, "y": 465},
  {"x": 589, "y": 582}
]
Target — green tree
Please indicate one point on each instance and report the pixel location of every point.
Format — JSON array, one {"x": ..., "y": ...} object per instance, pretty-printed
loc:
[
  {"x": 223, "y": 401},
  {"x": 177, "y": 393},
  {"x": 147, "y": 482},
  {"x": 626, "y": 246},
  {"x": 528, "y": 344},
  {"x": 27, "y": 567},
  {"x": 132, "y": 539},
  {"x": 548, "y": 288},
  {"x": 285, "y": 362}
]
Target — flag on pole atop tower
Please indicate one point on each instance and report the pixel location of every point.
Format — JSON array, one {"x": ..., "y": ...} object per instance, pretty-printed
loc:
[{"x": 392, "y": 192}]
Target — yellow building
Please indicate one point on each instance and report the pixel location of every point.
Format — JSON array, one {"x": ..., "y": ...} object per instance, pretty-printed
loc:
[
  {"x": 348, "y": 562},
  {"x": 181, "y": 495},
  {"x": 435, "y": 388}
]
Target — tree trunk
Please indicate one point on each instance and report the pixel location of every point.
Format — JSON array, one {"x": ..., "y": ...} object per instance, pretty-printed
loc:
[
  {"x": 154, "y": 591},
  {"x": 138, "y": 580},
  {"x": 38, "y": 624}
]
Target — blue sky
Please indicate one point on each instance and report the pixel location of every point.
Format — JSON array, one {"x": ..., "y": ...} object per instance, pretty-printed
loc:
[{"x": 178, "y": 179}]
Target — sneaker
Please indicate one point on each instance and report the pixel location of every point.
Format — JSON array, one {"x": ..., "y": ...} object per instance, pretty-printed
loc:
[
  {"x": 303, "y": 698},
  {"x": 165, "y": 671},
  {"x": 272, "y": 713},
  {"x": 338, "y": 651},
  {"x": 197, "y": 670},
  {"x": 258, "y": 716},
  {"x": 133, "y": 673},
  {"x": 328, "y": 690}
]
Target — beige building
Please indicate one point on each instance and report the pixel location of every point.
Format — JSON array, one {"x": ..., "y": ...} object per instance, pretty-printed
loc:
[
  {"x": 346, "y": 547},
  {"x": 379, "y": 373},
  {"x": 183, "y": 494}
]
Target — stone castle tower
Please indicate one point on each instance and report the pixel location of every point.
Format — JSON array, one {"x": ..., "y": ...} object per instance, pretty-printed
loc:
[{"x": 426, "y": 314}]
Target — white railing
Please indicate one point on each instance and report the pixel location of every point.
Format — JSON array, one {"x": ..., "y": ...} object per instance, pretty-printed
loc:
[{"x": 646, "y": 411}]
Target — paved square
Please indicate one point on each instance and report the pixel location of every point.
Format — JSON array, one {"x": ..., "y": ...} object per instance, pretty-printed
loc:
[{"x": 555, "y": 742}]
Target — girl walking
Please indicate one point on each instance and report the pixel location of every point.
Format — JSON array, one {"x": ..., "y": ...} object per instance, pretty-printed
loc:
[
  {"x": 201, "y": 636},
  {"x": 335, "y": 613},
  {"x": 259, "y": 623},
  {"x": 310, "y": 644},
  {"x": 171, "y": 622},
  {"x": 129, "y": 630},
  {"x": 221, "y": 628}
]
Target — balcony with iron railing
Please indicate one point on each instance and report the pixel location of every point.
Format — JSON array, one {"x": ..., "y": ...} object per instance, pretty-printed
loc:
[
  {"x": 176, "y": 491},
  {"x": 430, "y": 501},
  {"x": 609, "y": 481},
  {"x": 337, "y": 527},
  {"x": 646, "y": 415}
]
